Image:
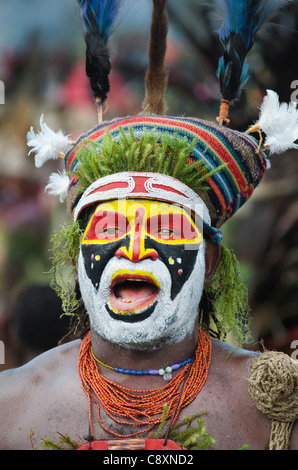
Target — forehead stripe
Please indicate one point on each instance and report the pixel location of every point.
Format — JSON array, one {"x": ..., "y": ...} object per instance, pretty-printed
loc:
[
  {"x": 111, "y": 187},
  {"x": 139, "y": 187},
  {"x": 150, "y": 186}
]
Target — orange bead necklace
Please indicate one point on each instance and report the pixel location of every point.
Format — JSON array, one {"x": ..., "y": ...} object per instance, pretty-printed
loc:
[{"x": 143, "y": 408}]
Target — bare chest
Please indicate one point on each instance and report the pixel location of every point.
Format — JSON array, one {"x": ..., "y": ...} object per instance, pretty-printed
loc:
[
  {"x": 217, "y": 423},
  {"x": 222, "y": 416}
]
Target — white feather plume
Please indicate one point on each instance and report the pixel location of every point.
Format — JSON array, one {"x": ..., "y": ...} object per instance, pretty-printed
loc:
[
  {"x": 47, "y": 144},
  {"x": 58, "y": 185},
  {"x": 279, "y": 121}
]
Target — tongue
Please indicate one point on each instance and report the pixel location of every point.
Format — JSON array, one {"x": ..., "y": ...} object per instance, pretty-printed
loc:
[
  {"x": 135, "y": 291},
  {"x": 131, "y": 296}
]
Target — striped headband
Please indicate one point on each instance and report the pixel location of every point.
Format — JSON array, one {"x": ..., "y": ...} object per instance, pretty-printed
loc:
[{"x": 229, "y": 188}]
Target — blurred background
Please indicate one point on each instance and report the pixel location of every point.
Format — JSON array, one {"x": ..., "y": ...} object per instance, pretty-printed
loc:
[{"x": 42, "y": 56}]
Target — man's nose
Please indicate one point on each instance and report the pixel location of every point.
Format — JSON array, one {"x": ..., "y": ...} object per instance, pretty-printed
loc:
[{"x": 136, "y": 250}]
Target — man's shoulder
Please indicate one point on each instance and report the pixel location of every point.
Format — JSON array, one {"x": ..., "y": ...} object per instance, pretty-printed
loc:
[
  {"x": 56, "y": 366},
  {"x": 232, "y": 418},
  {"x": 229, "y": 360},
  {"x": 32, "y": 394},
  {"x": 59, "y": 360},
  {"x": 251, "y": 385}
]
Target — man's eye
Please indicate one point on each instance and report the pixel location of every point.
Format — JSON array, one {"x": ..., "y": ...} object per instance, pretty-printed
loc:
[
  {"x": 106, "y": 226},
  {"x": 111, "y": 231},
  {"x": 165, "y": 232}
]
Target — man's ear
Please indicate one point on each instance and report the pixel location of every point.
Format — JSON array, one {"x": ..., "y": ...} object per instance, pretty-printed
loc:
[{"x": 212, "y": 259}]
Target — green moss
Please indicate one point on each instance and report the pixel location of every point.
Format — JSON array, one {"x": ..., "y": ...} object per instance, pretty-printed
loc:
[
  {"x": 65, "y": 251},
  {"x": 192, "y": 437},
  {"x": 190, "y": 433},
  {"x": 228, "y": 295},
  {"x": 65, "y": 443}
]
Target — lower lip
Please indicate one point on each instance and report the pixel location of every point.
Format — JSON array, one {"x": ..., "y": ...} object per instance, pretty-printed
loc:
[{"x": 132, "y": 318}]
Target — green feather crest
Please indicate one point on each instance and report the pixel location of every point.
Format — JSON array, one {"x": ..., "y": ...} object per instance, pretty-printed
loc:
[{"x": 152, "y": 153}]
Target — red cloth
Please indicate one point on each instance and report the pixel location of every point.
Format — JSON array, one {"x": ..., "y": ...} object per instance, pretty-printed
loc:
[{"x": 150, "y": 444}]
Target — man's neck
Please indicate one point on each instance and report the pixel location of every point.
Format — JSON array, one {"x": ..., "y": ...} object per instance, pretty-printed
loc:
[{"x": 114, "y": 355}]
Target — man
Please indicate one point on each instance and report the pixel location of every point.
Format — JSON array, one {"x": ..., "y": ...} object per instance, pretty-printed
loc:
[
  {"x": 146, "y": 256},
  {"x": 45, "y": 398}
]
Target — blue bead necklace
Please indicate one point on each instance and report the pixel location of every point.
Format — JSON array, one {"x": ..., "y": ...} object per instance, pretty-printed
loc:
[{"x": 166, "y": 373}]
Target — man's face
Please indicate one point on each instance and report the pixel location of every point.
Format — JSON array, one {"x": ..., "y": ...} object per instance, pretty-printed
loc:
[{"x": 141, "y": 272}]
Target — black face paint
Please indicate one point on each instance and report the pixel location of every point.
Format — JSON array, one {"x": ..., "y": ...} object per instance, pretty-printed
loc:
[
  {"x": 134, "y": 318},
  {"x": 178, "y": 259}
]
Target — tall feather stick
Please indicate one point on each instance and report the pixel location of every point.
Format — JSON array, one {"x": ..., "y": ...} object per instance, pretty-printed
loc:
[
  {"x": 156, "y": 78},
  {"x": 242, "y": 19},
  {"x": 97, "y": 19}
]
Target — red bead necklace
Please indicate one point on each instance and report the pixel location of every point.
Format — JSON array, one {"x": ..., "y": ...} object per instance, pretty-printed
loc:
[{"x": 142, "y": 408}]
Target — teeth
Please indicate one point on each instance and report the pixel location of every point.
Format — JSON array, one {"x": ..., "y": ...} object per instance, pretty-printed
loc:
[{"x": 137, "y": 280}]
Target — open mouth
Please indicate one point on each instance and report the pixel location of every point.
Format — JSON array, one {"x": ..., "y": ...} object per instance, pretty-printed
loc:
[{"x": 132, "y": 293}]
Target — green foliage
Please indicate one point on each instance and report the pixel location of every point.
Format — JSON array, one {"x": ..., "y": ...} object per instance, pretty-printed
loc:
[
  {"x": 65, "y": 443},
  {"x": 163, "y": 422},
  {"x": 190, "y": 437},
  {"x": 65, "y": 249},
  {"x": 229, "y": 297},
  {"x": 162, "y": 153}
]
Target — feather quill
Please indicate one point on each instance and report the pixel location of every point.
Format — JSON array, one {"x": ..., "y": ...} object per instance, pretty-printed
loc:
[
  {"x": 97, "y": 19},
  {"x": 241, "y": 21}
]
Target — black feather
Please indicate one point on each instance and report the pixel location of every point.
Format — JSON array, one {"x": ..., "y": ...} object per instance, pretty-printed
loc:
[
  {"x": 98, "y": 65},
  {"x": 97, "y": 18}
]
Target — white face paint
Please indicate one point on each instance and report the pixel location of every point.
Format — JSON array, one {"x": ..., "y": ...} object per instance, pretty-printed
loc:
[
  {"x": 171, "y": 320},
  {"x": 168, "y": 318}
]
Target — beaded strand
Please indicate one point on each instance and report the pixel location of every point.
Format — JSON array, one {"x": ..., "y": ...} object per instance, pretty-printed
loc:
[
  {"x": 166, "y": 373},
  {"x": 142, "y": 408}
]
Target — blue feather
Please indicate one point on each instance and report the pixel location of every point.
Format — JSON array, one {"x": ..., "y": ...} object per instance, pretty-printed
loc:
[
  {"x": 246, "y": 17},
  {"x": 242, "y": 19},
  {"x": 98, "y": 15}
]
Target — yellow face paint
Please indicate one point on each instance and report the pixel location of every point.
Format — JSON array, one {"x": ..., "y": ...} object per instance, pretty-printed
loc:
[
  {"x": 137, "y": 273},
  {"x": 139, "y": 219}
]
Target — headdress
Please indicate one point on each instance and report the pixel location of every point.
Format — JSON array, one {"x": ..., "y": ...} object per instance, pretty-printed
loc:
[{"x": 175, "y": 159}]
